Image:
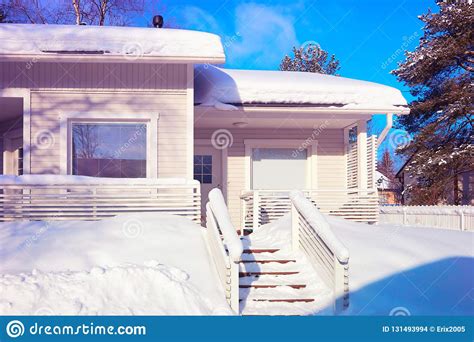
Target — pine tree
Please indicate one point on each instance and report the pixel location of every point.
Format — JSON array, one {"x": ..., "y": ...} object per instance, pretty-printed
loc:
[
  {"x": 310, "y": 58},
  {"x": 440, "y": 75},
  {"x": 385, "y": 166}
]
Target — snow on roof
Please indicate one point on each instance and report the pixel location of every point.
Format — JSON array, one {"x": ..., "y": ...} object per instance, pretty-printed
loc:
[
  {"x": 223, "y": 88},
  {"x": 131, "y": 42},
  {"x": 381, "y": 181}
]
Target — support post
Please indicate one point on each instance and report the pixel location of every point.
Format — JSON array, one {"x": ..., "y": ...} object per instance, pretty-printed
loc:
[
  {"x": 256, "y": 205},
  {"x": 339, "y": 283},
  {"x": 462, "y": 220},
  {"x": 362, "y": 154},
  {"x": 295, "y": 233},
  {"x": 234, "y": 287}
]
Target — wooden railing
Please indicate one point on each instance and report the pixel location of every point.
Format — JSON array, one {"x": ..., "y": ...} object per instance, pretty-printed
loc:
[
  {"x": 312, "y": 235},
  {"x": 54, "y": 198},
  {"x": 225, "y": 246},
  {"x": 443, "y": 216},
  {"x": 371, "y": 161},
  {"x": 264, "y": 206}
]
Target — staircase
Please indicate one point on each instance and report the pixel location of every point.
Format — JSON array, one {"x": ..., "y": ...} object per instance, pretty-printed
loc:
[
  {"x": 273, "y": 271},
  {"x": 279, "y": 282}
]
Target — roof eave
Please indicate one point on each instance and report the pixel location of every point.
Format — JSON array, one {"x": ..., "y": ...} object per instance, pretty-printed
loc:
[
  {"x": 104, "y": 58},
  {"x": 320, "y": 109}
]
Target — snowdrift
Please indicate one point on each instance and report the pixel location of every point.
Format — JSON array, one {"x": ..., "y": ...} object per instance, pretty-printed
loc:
[{"x": 148, "y": 264}]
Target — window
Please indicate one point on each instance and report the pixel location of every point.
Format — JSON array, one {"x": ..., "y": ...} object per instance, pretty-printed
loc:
[
  {"x": 115, "y": 150},
  {"x": 279, "y": 168},
  {"x": 203, "y": 169},
  {"x": 353, "y": 135}
]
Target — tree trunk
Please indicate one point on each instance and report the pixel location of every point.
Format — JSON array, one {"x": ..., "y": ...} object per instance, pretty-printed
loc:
[
  {"x": 456, "y": 190},
  {"x": 77, "y": 12}
]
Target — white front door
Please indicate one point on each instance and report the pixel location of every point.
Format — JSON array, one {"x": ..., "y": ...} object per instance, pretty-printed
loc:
[{"x": 208, "y": 171}]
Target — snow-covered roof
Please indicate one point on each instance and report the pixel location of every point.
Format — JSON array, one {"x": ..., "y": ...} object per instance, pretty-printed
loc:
[
  {"x": 381, "y": 181},
  {"x": 227, "y": 88},
  {"x": 107, "y": 42}
]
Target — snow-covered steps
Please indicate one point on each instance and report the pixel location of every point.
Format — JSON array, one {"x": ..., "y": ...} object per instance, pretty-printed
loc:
[{"x": 278, "y": 282}]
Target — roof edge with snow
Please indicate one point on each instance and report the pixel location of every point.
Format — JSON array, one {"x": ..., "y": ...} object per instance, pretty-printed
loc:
[
  {"x": 261, "y": 90},
  {"x": 73, "y": 43}
]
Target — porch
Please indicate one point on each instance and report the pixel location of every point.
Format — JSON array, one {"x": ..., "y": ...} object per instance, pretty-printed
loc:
[
  {"x": 331, "y": 160},
  {"x": 260, "y": 207}
]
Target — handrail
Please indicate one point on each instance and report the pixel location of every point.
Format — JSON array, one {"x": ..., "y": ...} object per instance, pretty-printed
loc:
[
  {"x": 225, "y": 246},
  {"x": 220, "y": 211},
  {"x": 312, "y": 235},
  {"x": 319, "y": 223}
]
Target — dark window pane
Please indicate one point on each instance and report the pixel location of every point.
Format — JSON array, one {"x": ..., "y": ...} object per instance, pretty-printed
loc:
[
  {"x": 207, "y": 179},
  {"x": 197, "y": 159},
  {"x": 207, "y": 159},
  {"x": 207, "y": 169},
  {"x": 197, "y": 169},
  {"x": 109, "y": 150}
]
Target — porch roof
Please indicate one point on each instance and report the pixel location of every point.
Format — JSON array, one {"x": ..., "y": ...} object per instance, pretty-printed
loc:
[
  {"x": 79, "y": 43},
  {"x": 227, "y": 89}
]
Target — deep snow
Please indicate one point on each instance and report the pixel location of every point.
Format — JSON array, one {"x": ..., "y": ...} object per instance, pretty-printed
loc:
[
  {"x": 425, "y": 271},
  {"x": 158, "y": 264},
  {"x": 152, "y": 264},
  {"x": 395, "y": 269}
]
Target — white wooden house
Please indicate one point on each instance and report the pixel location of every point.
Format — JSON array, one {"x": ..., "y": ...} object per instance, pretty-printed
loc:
[{"x": 149, "y": 103}]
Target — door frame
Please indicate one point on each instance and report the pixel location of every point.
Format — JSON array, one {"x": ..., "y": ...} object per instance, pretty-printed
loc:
[
  {"x": 9, "y": 156},
  {"x": 310, "y": 146},
  {"x": 24, "y": 93},
  {"x": 224, "y": 154}
]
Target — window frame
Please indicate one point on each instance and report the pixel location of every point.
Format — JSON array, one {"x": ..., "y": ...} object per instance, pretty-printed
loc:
[{"x": 150, "y": 120}]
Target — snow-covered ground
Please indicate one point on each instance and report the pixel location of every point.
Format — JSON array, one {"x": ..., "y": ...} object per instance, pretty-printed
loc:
[
  {"x": 395, "y": 269},
  {"x": 158, "y": 264},
  {"x": 401, "y": 269},
  {"x": 132, "y": 264}
]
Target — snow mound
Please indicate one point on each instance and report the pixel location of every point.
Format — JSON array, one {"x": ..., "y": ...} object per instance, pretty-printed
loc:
[
  {"x": 120, "y": 290},
  {"x": 133, "y": 42},
  {"x": 121, "y": 246},
  {"x": 216, "y": 86}
]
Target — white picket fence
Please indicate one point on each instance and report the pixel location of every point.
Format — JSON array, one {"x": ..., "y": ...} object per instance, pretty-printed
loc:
[
  {"x": 448, "y": 217},
  {"x": 312, "y": 234}
]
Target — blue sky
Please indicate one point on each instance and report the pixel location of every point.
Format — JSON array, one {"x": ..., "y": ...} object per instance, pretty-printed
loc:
[{"x": 367, "y": 36}]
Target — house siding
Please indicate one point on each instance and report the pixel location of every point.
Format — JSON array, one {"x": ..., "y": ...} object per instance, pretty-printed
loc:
[
  {"x": 330, "y": 160},
  {"x": 53, "y": 76},
  {"x": 108, "y": 90}
]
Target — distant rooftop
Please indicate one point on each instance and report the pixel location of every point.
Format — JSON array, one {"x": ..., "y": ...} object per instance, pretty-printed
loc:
[{"x": 23, "y": 41}]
